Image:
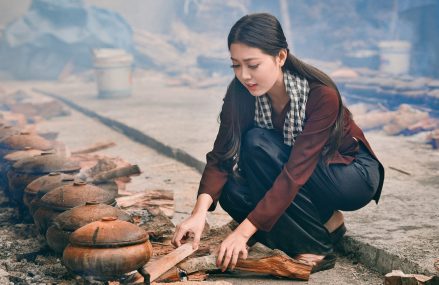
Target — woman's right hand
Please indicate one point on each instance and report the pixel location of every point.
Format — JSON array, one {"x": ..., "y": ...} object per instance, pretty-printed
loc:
[{"x": 193, "y": 224}]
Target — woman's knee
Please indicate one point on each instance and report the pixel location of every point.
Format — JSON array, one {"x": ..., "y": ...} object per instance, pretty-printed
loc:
[
  {"x": 236, "y": 200},
  {"x": 254, "y": 139},
  {"x": 258, "y": 141}
]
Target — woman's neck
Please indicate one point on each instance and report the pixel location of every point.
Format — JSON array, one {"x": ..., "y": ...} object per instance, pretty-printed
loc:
[{"x": 278, "y": 93}]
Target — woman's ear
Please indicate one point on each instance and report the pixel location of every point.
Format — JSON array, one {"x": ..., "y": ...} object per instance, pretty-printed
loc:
[{"x": 283, "y": 54}]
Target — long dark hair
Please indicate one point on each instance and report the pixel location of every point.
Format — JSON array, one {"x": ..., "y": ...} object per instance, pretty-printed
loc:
[{"x": 263, "y": 31}]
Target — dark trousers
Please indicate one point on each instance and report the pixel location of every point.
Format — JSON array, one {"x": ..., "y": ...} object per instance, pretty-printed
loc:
[{"x": 331, "y": 187}]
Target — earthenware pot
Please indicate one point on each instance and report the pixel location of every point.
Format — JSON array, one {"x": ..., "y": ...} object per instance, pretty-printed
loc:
[
  {"x": 26, "y": 170},
  {"x": 64, "y": 224},
  {"x": 42, "y": 185},
  {"x": 9, "y": 160},
  {"x": 65, "y": 198},
  {"x": 107, "y": 249},
  {"x": 24, "y": 140}
]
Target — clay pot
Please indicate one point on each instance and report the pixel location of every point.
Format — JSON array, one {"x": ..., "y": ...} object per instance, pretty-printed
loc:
[
  {"x": 26, "y": 170},
  {"x": 9, "y": 160},
  {"x": 107, "y": 249},
  {"x": 22, "y": 140},
  {"x": 64, "y": 224},
  {"x": 42, "y": 185},
  {"x": 65, "y": 198}
]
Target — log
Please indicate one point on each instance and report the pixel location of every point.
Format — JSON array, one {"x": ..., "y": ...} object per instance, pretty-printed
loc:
[
  {"x": 115, "y": 173},
  {"x": 94, "y": 148},
  {"x": 261, "y": 259},
  {"x": 154, "y": 269},
  {"x": 156, "y": 202}
]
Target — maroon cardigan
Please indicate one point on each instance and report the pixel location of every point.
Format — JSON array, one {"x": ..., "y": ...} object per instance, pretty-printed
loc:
[{"x": 321, "y": 113}]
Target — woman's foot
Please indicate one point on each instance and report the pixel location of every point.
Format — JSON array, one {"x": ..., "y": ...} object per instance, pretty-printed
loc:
[
  {"x": 335, "y": 221},
  {"x": 318, "y": 262},
  {"x": 309, "y": 258}
]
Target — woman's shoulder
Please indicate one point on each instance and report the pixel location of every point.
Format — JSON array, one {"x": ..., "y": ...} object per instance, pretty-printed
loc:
[
  {"x": 320, "y": 93},
  {"x": 316, "y": 87}
]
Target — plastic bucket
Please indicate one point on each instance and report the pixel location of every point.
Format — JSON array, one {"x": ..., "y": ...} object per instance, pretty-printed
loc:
[
  {"x": 395, "y": 56},
  {"x": 113, "y": 72}
]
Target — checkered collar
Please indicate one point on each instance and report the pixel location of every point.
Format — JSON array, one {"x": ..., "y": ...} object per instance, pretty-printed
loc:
[{"x": 297, "y": 88}]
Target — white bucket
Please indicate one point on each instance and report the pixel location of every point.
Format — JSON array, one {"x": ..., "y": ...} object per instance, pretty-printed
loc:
[
  {"x": 113, "y": 72},
  {"x": 395, "y": 56}
]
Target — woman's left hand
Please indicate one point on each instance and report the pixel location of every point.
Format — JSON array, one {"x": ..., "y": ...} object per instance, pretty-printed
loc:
[{"x": 235, "y": 246}]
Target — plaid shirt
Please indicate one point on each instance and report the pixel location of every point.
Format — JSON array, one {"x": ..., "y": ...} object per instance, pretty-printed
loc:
[{"x": 297, "y": 89}]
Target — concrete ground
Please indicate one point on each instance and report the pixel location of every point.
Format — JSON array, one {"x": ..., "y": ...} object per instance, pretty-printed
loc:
[{"x": 181, "y": 122}]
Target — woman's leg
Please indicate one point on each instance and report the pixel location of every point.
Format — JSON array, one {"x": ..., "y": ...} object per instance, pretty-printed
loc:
[
  {"x": 344, "y": 187},
  {"x": 299, "y": 229}
]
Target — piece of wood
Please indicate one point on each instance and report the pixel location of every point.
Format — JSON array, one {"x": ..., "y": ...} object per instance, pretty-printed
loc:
[
  {"x": 94, "y": 148},
  {"x": 115, "y": 173},
  {"x": 397, "y": 277},
  {"x": 196, "y": 283},
  {"x": 399, "y": 170},
  {"x": 152, "y": 270},
  {"x": 157, "y": 202},
  {"x": 261, "y": 259}
]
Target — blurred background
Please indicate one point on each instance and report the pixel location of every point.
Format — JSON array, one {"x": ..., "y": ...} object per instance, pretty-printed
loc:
[{"x": 46, "y": 39}]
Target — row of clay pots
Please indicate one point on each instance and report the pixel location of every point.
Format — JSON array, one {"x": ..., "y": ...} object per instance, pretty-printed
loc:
[
  {"x": 77, "y": 219},
  {"x": 25, "y": 156}
]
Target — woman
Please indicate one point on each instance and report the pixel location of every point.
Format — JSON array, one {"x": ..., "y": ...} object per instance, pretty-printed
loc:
[{"x": 287, "y": 157}]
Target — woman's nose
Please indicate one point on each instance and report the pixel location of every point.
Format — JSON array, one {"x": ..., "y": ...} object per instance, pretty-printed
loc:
[{"x": 245, "y": 74}]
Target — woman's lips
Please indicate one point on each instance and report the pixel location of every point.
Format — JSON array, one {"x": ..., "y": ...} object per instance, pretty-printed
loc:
[{"x": 251, "y": 86}]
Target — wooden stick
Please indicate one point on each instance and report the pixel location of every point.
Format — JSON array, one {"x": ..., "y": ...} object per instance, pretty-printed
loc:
[
  {"x": 399, "y": 170},
  {"x": 114, "y": 173},
  {"x": 154, "y": 269},
  {"x": 94, "y": 148}
]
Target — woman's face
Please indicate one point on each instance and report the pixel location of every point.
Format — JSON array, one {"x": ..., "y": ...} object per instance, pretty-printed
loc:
[{"x": 256, "y": 70}]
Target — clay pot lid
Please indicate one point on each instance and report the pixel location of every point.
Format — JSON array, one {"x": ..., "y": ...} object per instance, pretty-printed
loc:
[
  {"x": 48, "y": 182},
  {"x": 22, "y": 154},
  {"x": 90, "y": 212},
  {"x": 108, "y": 232},
  {"x": 26, "y": 139},
  {"x": 76, "y": 194},
  {"x": 45, "y": 163}
]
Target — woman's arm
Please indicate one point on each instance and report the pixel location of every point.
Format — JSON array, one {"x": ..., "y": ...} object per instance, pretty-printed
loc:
[{"x": 194, "y": 223}]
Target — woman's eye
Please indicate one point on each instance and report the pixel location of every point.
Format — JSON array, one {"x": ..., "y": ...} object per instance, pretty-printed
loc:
[
  {"x": 253, "y": 66},
  {"x": 234, "y": 66}
]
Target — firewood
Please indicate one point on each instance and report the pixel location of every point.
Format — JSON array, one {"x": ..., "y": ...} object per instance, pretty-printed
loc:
[
  {"x": 96, "y": 147},
  {"x": 261, "y": 259},
  {"x": 196, "y": 283},
  {"x": 152, "y": 270},
  {"x": 397, "y": 277},
  {"x": 116, "y": 173},
  {"x": 197, "y": 276},
  {"x": 156, "y": 202},
  {"x": 399, "y": 170}
]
